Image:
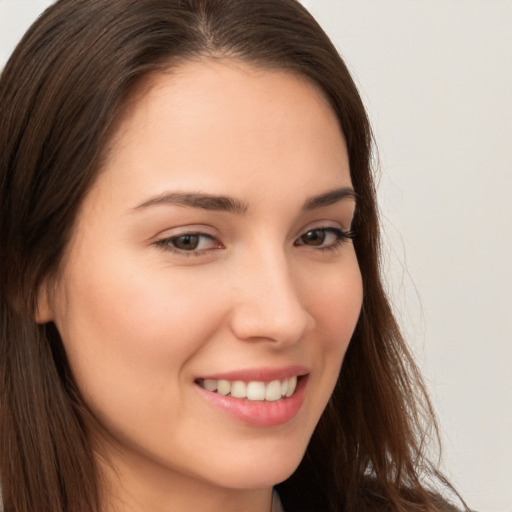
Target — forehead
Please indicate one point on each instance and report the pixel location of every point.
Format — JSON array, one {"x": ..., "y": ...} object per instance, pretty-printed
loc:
[
  {"x": 225, "y": 81},
  {"x": 225, "y": 121}
]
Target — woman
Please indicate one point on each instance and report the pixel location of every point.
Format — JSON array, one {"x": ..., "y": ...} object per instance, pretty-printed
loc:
[{"x": 189, "y": 245}]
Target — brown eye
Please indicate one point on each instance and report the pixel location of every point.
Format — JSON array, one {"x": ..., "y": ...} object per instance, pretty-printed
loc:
[
  {"x": 314, "y": 237},
  {"x": 189, "y": 242},
  {"x": 324, "y": 238}
]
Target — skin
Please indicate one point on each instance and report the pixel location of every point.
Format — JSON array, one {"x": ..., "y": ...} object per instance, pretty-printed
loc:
[{"x": 141, "y": 320}]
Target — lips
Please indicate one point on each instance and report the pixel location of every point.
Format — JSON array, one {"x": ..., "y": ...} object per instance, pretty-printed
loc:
[{"x": 259, "y": 397}]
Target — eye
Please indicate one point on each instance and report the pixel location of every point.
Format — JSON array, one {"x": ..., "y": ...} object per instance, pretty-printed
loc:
[
  {"x": 324, "y": 238},
  {"x": 189, "y": 243}
]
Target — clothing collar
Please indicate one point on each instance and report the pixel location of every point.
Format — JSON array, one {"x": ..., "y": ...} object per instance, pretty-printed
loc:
[{"x": 276, "y": 503}]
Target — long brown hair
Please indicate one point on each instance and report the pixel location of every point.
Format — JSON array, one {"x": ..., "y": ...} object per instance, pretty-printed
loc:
[{"x": 61, "y": 94}]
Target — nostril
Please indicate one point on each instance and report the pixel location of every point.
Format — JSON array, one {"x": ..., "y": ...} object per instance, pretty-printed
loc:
[{"x": 265, "y": 322}]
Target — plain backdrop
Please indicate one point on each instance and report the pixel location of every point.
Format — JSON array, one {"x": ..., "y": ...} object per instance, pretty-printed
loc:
[{"x": 436, "y": 77}]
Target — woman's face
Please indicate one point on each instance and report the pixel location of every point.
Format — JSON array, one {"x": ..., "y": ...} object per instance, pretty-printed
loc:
[{"x": 213, "y": 252}]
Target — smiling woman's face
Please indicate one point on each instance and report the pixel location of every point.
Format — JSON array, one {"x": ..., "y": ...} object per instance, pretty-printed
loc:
[{"x": 213, "y": 256}]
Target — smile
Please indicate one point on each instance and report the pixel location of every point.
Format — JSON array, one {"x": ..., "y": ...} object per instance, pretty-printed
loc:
[
  {"x": 251, "y": 390},
  {"x": 259, "y": 397}
]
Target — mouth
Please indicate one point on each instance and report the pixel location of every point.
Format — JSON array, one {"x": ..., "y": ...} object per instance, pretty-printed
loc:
[
  {"x": 252, "y": 390},
  {"x": 259, "y": 397}
]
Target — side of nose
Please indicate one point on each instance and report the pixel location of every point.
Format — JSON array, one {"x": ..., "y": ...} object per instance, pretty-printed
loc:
[{"x": 267, "y": 302}]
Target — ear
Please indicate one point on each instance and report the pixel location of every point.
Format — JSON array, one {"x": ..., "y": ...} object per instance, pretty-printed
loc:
[{"x": 44, "y": 311}]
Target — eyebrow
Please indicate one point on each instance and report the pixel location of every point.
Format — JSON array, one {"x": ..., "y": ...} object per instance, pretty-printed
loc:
[
  {"x": 329, "y": 197},
  {"x": 229, "y": 204},
  {"x": 197, "y": 200}
]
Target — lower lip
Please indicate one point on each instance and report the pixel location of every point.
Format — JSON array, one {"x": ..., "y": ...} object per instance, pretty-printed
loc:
[{"x": 259, "y": 413}]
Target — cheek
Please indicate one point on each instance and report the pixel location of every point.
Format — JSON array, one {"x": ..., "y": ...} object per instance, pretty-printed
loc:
[
  {"x": 127, "y": 300},
  {"x": 335, "y": 302},
  {"x": 126, "y": 329},
  {"x": 335, "y": 298}
]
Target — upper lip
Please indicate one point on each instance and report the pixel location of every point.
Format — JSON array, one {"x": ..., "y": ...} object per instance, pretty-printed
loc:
[{"x": 263, "y": 374}]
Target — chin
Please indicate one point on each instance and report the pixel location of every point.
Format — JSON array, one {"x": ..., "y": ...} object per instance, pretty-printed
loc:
[
  {"x": 259, "y": 478},
  {"x": 261, "y": 470}
]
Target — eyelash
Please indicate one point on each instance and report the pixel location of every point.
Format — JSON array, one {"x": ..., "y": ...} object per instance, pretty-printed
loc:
[
  {"x": 166, "y": 244},
  {"x": 341, "y": 237}
]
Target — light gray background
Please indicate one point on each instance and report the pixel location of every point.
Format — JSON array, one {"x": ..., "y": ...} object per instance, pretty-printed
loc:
[{"x": 436, "y": 76}]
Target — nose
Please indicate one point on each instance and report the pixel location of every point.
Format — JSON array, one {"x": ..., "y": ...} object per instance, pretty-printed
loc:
[{"x": 268, "y": 304}]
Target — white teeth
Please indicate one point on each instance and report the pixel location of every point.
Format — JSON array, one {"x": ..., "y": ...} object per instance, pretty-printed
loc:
[
  {"x": 273, "y": 391},
  {"x": 284, "y": 387},
  {"x": 254, "y": 390},
  {"x": 210, "y": 384},
  {"x": 223, "y": 387},
  {"x": 239, "y": 389},
  {"x": 292, "y": 384}
]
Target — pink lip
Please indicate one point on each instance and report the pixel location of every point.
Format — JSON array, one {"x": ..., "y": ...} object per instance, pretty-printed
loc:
[
  {"x": 258, "y": 413},
  {"x": 260, "y": 374}
]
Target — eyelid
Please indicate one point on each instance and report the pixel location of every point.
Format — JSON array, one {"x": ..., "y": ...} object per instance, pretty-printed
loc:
[
  {"x": 341, "y": 235},
  {"x": 190, "y": 229},
  {"x": 164, "y": 240},
  {"x": 325, "y": 224}
]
